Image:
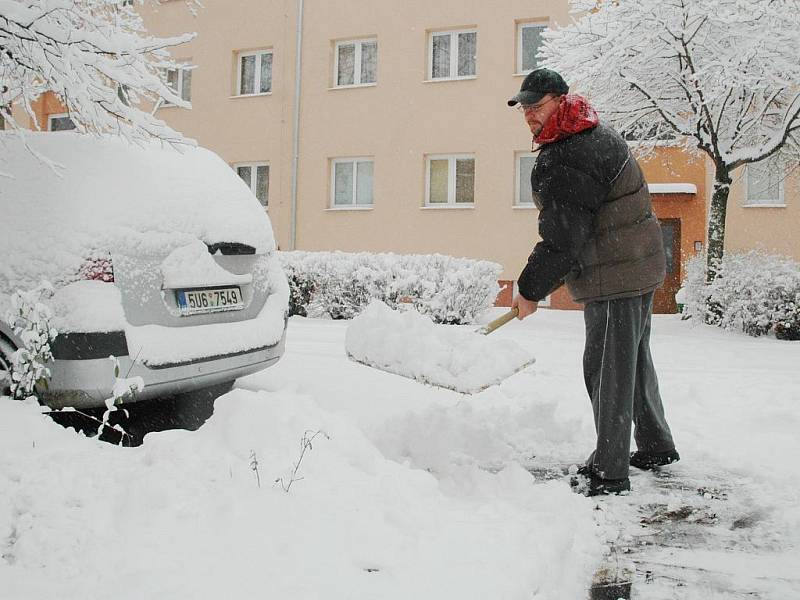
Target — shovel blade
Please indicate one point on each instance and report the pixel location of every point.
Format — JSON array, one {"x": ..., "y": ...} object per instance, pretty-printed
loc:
[
  {"x": 409, "y": 344},
  {"x": 427, "y": 379}
]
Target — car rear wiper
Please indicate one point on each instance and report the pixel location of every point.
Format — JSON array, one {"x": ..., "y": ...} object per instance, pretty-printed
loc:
[{"x": 230, "y": 248}]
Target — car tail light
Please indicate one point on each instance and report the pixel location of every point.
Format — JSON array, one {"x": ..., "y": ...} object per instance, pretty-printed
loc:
[{"x": 97, "y": 268}]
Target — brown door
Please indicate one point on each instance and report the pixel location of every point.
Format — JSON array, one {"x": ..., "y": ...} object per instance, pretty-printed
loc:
[{"x": 664, "y": 300}]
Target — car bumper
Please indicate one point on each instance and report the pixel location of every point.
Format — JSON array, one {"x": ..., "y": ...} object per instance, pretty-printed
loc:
[{"x": 88, "y": 382}]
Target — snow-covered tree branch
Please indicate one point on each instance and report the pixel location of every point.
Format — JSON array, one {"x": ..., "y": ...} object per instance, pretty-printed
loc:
[
  {"x": 722, "y": 76},
  {"x": 95, "y": 55}
]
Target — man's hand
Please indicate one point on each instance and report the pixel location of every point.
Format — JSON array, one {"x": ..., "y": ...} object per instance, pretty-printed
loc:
[{"x": 526, "y": 307}]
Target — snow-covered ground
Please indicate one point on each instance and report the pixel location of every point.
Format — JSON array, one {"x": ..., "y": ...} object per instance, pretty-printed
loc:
[{"x": 411, "y": 491}]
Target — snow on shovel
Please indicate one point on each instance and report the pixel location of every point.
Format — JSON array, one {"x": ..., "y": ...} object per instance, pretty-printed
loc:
[{"x": 408, "y": 343}]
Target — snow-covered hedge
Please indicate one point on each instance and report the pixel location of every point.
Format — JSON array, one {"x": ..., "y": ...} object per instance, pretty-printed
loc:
[
  {"x": 340, "y": 285},
  {"x": 753, "y": 292}
]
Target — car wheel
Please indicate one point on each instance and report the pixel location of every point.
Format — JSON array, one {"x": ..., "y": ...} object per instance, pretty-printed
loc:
[{"x": 6, "y": 350}]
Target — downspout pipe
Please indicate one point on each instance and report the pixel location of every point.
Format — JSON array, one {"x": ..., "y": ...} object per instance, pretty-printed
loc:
[{"x": 296, "y": 135}]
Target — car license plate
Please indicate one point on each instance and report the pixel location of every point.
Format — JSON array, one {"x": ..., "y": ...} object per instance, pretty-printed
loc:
[{"x": 192, "y": 302}]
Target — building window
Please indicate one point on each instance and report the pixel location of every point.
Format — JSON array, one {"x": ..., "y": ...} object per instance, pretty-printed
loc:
[
  {"x": 352, "y": 182},
  {"x": 529, "y": 40},
  {"x": 453, "y": 54},
  {"x": 450, "y": 180},
  {"x": 524, "y": 195},
  {"x": 179, "y": 81},
  {"x": 60, "y": 122},
  {"x": 122, "y": 93},
  {"x": 356, "y": 62},
  {"x": 764, "y": 185},
  {"x": 256, "y": 176},
  {"x": 254, "y": 73}
]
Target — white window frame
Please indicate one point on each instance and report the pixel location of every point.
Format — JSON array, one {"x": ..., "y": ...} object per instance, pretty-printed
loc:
[
  {"x": 755, "y": 203},
  {"x": 179, "y": 91},
  {"x": 520, "y": 27},
  {"x": 58, "y": 116},
  {"x": 257, "y": 82},
  {"x": 354, "y": 162},
  {"x": 518, "y": 203},
  {"x": 453, "y": 33},
  {"x": 451, "y": 181},
  {"x": 253, "y": 176},
  {"x": 357, "y": 66}
]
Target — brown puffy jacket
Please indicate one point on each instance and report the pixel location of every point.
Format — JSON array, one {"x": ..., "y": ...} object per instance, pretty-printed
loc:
[{"x": 599, "y": 233}]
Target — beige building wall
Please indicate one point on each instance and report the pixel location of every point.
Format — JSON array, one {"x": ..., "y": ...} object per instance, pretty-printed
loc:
[
  {"x": 238, "y": 128},
  {"x": 771, "y": 229},
  {"x": 397, "y": 122},
  {"x": 405, "y": 118}
]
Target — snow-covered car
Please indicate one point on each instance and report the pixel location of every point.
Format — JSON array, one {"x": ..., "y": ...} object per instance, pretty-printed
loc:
[{"x": 158, "y": 255}]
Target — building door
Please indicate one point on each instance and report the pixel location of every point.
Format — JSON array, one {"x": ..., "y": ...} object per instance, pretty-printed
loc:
[{"x": 664, "y": 300}]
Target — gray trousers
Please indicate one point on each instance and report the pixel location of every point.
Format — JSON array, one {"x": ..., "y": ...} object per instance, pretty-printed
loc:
[{"x": 622, "y": 383}]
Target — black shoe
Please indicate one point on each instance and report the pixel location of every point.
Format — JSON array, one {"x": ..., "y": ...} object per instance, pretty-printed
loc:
[
  {"x": 603, "y": 487},
  {"x": 588, "y": 483},
  {"x": 650, "y": 460}
]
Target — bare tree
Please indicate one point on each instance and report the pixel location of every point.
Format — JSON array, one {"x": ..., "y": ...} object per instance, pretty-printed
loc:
[
  {"x": 95, "y": 55},
  {"x": 719, "y": 75}
]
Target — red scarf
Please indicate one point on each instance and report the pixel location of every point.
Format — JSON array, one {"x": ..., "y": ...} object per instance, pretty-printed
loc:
[{"x": 574, "y": 114}]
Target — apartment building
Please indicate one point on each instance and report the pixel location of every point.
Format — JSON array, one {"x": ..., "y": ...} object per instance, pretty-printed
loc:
[{"x": 377, "y": 126}]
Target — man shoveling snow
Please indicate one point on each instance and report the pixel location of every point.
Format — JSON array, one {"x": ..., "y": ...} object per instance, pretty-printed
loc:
[{"x": 601, "y": 237}]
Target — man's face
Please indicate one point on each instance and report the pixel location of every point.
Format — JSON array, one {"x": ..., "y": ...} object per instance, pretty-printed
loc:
[{"x": 536, "y": 115}]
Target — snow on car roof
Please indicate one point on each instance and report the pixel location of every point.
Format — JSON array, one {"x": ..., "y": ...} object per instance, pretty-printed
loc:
[{"x": 107, "y": 193}]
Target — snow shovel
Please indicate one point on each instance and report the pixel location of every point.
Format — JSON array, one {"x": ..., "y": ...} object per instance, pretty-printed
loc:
[
  {"x": 498, "y": 322},
  {"x": 410, "y": 344}
]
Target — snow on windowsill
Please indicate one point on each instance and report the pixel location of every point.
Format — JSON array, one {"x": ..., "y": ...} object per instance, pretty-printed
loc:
[
  {"x": 672, "y": 188},
  {"x": 448, "y": 206},
  {"x": 441, "y": 79},
  {"x": 235, "y": 96},
  {"x": 530, "y": 206},
  {"x": 349, "y": 208},
  {"x": 764, "y": 205},
  {"x": 657, "y": 143},
  {"x": 352, "y": 86}
]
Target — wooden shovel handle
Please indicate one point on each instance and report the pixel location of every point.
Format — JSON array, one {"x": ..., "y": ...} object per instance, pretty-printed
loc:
[{"x": 500, "y": 321}]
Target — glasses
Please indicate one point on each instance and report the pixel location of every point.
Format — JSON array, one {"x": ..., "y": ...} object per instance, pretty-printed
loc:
[{"x": 534, "y": 108}]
